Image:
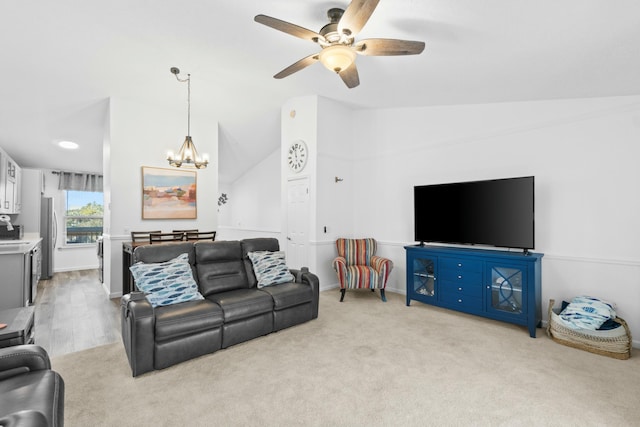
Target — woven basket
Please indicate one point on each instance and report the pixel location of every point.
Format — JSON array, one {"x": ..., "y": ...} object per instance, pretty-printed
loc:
[{"x": 614, "y": 343}]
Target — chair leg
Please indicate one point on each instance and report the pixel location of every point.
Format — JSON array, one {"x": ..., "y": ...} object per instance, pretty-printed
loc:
[
  {"x": 382, "y": 295},
  {"x": 342, "y": 291}
]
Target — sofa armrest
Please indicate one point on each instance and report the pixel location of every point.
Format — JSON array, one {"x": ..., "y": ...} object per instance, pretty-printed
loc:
[
  {"x": 21, "y": 359},
  {"x": 138, "y": 331},
  {"x": 340, "y": 266},
  {"x": 304, "y": 276},
  {"x": 339, "y": 262},
  {"x": 383, "y": 266},
  {"x": 26, "y": 418}
]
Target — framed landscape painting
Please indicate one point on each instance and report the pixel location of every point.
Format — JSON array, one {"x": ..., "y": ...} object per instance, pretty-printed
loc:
[{"x": 168, "y": 193}]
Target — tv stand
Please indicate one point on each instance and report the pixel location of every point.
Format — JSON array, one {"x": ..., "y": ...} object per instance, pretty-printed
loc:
[{"x": 495, "y": 284}]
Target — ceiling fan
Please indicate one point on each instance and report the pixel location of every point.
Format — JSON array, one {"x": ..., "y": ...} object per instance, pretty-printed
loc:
[{"x": 336, "y": 39}]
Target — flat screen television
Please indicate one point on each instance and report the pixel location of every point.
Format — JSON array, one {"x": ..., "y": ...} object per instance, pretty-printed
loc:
[{"x": 497, "y": 212}]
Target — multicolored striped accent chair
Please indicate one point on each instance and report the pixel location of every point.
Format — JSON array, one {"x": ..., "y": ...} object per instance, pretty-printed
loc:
[{"x": 358, "y": 266}]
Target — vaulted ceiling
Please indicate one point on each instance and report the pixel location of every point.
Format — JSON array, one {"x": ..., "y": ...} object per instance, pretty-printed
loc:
[{"x": 62, "y": 59}]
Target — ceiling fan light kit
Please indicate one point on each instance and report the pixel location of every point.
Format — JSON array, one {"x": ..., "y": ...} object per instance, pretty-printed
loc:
[
  {"x": 337, "y": 57},
  {"x": 336, "y": 39}
]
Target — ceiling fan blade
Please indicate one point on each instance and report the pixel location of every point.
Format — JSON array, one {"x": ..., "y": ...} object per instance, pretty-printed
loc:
[
  {"x": 303, "y": 63},
  {"x": 287, "y": 27},
  {"x": 357, "y": 14},
  {"x": 388, "y": 47},
  {"x": 350, "y": 76}
]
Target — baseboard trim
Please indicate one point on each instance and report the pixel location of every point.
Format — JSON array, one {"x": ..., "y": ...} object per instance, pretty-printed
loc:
[{"x": 76, "y": 268}]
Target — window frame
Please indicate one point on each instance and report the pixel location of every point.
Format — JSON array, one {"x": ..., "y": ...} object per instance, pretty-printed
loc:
[{"x": 92, "y": 239}]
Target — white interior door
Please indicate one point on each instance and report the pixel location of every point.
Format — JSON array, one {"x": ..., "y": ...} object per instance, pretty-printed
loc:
[{"x": 297, "y": 222}]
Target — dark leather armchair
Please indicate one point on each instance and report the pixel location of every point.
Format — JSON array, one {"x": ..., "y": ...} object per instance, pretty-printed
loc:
[{"x": 31, "y": 394}]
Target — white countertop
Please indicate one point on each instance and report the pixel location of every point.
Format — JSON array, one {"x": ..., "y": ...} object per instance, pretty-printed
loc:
[{"x": 28, "y": 241}]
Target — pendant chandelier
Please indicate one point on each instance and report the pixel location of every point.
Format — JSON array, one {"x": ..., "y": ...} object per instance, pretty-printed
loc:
[{"x": 188, "y": 155}]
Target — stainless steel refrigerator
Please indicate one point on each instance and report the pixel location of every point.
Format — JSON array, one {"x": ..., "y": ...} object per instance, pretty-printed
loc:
[{"x": 48, "y": 232}]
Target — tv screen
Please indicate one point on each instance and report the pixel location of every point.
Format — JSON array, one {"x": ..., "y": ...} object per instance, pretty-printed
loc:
[{"x": 496, "y": 212}]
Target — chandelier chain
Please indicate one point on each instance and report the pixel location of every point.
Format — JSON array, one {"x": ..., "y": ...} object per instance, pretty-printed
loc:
[{"x": 188, "y": 81}]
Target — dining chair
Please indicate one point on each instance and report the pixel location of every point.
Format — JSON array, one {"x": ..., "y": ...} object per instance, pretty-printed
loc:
[
  {"x": 201, "y": 235},
  {"x": 165, "y": 237},
  {"x": 139, "y": 236},
  {"x": 184, "y": 232}
]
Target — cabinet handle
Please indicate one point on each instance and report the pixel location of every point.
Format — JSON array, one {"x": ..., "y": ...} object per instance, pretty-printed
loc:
[
  {"x": 459, "y": 300},
  {"x": 460, "y": 289},
  {"x": 459, "y": 277}
]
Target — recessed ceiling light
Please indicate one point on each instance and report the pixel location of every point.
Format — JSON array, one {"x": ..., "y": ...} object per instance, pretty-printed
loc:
[{"x": 68, "y": 145}]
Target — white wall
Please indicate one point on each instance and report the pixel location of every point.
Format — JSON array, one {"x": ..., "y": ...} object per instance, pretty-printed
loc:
[
  {"x": 583, "y": 154},
  {"x": 299, "y": 121},
  {"x": 336, "y": 134},
  {"x": 253, "y": 206},
  {"x": 140, "y": 135},
  {"x": 327, "y": 128},
  {"x": 334, "y": 199}
]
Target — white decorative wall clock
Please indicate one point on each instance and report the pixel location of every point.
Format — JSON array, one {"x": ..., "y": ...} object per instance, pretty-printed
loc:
[{"x": 297, "y": 156}]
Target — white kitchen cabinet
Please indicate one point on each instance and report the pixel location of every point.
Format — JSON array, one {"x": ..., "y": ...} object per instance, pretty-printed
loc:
[
  {"x": 17, "y": 193},
  {"x": 10, "y": 180}
]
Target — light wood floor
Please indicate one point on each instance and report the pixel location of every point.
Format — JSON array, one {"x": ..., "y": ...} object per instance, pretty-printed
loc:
[{"x": 73, "y": 312}]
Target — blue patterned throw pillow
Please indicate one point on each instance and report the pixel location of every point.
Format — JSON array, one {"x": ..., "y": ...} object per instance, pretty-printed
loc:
[
  {"x": 270, "y": 268},
  {"x": 168, "y": 282}
]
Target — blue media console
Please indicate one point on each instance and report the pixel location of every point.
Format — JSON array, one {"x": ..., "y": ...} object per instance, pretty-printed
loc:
[{"x": 495, "y": 284}]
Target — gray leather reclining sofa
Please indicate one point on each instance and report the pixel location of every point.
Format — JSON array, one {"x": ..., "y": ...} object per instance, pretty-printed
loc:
[
  {"x": 31, "y": 394},
  {"x": 233, "y": 310}
]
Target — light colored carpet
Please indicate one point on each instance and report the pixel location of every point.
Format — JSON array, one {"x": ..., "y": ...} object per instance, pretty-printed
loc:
[{"x": 363, "y": 362}]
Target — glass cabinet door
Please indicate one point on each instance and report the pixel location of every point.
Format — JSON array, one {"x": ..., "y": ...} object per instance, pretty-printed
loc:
[
  {"x": 507, "y": 288},
  {"x": 424, "y": 279}
]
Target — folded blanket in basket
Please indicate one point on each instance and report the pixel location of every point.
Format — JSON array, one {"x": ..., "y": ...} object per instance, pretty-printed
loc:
[
  {"x": 606, "y": 326},
  {"x": 584, "y": 312}
]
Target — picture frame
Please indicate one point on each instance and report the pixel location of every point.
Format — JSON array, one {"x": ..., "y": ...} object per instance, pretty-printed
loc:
[{"x": 169, "y": 193}]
